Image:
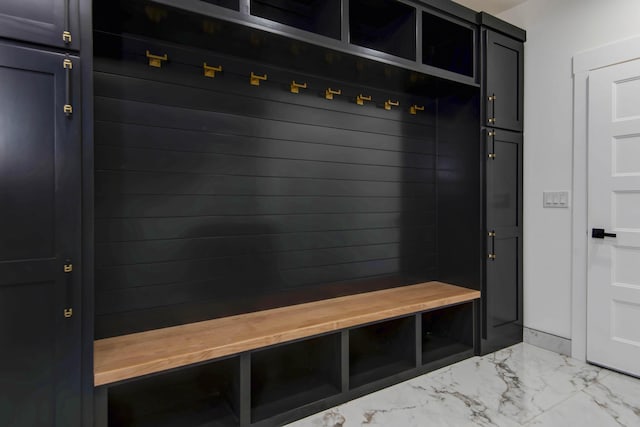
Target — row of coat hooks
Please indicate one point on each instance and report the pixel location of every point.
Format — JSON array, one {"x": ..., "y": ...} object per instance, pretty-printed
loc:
[{"x": 255, "y": 80}]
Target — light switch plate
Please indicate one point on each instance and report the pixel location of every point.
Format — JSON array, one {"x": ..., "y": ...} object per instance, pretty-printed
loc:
[{"x": 555, "y": 199}]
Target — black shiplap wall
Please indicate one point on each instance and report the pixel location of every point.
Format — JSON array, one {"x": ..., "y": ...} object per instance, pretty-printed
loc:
[{"x": 214, "y": 197}]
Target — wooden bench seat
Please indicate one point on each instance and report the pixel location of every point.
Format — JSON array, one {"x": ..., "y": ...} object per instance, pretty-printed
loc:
[{"x": 129, "y": 356}]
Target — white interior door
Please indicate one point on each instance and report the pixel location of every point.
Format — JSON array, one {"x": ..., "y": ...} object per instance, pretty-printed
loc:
[{"x": 613, "y": 289}]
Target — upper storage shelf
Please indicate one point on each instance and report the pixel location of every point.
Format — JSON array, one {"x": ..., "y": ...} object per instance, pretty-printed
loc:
[
  {"x": 316, "y": 16},
  {"x": 447, "y": 44},
  {"x": 384, "y": 25},
  {"x": 436, "y": 41}
]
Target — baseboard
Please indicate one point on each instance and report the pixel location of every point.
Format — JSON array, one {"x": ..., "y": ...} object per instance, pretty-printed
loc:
[{"x": 547, "y": 341}]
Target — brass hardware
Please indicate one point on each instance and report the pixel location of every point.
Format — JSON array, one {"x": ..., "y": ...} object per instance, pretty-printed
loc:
[
  {"x": 415, "y": 108},
  {"x": 156, "y": 60},
  {"x": 210, "y": 71},
  {"x": 67, "y": 64},
  {"x": 492, "y": 156},
  {"x": 492, "y": 133},
  {"x": 492, "y": 257},
  {"x": 361, "y": 98},
  {"x": 68, "y": 109},
  {"x": 295, "y": 87},
  {"x": 492, "y": 120},
  {"x": 68, "y": 268},
  {"x": 492, "y": 98},
  {"x": 255, "y": 79},
  {"x": 491, "y": 234},
  {"x": 68, "y": 312},
  {"x": 389, "y": 103},
  {"x": 66, "y": 37},
  {"x": 328, "y": 94}
]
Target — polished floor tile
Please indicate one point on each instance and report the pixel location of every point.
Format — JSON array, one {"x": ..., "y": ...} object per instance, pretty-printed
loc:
[{"x": 519, "y": 386}]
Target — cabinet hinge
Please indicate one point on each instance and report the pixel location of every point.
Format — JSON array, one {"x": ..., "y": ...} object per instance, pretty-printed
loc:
[
  {"x": 68, "y": 312},
  {"x": 66, "y": 37}
]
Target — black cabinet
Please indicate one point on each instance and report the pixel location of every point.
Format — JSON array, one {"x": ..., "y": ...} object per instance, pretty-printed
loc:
[
  {"x": 39, "y": 243},
  {"x": 502, "y": 294},
  {"x": 48, "y": 22},
  {"x": 504, "y": 77}
]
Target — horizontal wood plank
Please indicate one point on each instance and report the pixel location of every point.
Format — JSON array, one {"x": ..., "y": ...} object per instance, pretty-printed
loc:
[{"x": 129, "y": 356}]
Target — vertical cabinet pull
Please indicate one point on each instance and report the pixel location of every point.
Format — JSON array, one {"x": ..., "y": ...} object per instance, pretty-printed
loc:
[
  {"x": 68, "y": 66},
  {"x": 491, "y": 155},
  {"x": 492, "y": 101},
  {"x": 68, "y": 270},
  {"x": 492, "y": 252},
  {"x": 66, "y": 33}
]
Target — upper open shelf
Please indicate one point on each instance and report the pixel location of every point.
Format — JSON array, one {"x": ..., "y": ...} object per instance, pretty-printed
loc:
[
  {"x": 437, "y": 43},
  {"x": 316, "y": 16},
  {"x": 447, "y": 44},
  {"x": 384, "y": 25}
]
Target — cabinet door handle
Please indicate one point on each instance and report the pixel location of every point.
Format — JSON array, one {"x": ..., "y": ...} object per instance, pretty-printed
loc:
[
  {"x": 67, "y": 64},
  {"x": 492, "y": 100},
  {"x": 68, "y": 272}
]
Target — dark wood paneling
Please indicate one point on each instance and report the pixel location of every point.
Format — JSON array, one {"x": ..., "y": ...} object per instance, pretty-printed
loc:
[
  {"x": 208, "y": 191},
  {"x": 459, "y": 218}
]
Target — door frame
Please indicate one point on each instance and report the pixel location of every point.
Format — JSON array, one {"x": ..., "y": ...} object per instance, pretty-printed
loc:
[{"x": 584, "y": 63}]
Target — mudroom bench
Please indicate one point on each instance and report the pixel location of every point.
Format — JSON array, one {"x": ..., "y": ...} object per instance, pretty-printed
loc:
[{"x": 274, "y": 366}]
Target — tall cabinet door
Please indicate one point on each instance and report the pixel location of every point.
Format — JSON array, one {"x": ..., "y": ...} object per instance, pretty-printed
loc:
[
  {"x": 502, "y": 293},
  {"x": 504, "y": 82},
  {"x": 39, "y": 239},
  {"x": 48, "y": 22}
]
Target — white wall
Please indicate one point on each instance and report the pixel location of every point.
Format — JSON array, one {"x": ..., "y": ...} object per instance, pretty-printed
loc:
[{"x": 556, "y": 30}]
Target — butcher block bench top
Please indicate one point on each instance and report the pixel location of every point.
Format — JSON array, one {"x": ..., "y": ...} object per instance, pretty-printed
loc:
[{"x": 129, "y": 356}]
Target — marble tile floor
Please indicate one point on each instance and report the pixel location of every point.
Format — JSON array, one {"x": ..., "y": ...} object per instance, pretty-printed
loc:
[{"x": 522, "y": 385}]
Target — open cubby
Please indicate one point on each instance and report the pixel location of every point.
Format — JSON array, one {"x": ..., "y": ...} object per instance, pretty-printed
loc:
[
  {"x": 292, "y": 375},
  {"x": 384, "y": 25},
  {"x": 447, "y": 44},
  {"x": 316, "y": 16},
  {"x": 447, "y": 332},
  {"x": 229, "y": 4},
  {"x": 381, "y": 350},
  {"x": 196, "y": 396}
]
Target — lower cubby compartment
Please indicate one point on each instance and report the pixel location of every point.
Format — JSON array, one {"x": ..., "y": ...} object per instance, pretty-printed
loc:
[
  {"x": 196, "y": 396},
  {"x": 381, "y": 350},
  {"x": 293, "y": 375},
  {"x": 447, "y": 332}
]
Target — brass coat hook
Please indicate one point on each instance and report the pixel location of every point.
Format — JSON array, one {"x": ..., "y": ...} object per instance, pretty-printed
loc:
[
  {"x": 156, "y": 60},
  {"x": 389, "y": 103},
  {"x": 255, "y": 79},
  {"x": 361, "y": 98},
  {"x": 328, "y": 94},
  {"x": 295, "y": 87},
  {"x": 415, "y": 108},
  {"x": 210, "y": 71}
]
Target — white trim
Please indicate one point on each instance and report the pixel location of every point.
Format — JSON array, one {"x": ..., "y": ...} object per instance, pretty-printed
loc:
[
  {"x": 606, "y": 55},
  {"x": 583, "y": 63}
]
